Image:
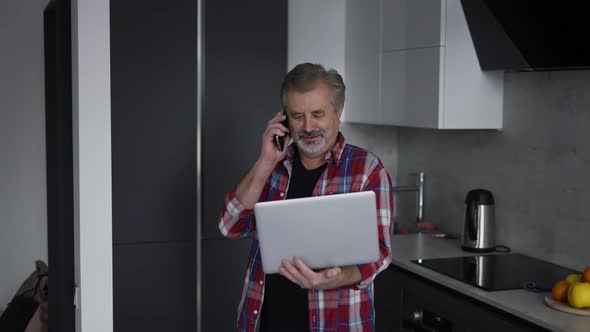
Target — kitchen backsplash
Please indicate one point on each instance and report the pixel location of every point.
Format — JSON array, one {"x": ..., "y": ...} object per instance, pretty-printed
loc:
[
  {"x": 536, "y": 167},
  {"x": 381, "y": 140}
]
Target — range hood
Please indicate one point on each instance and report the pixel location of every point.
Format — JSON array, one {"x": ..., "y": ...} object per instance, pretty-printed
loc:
[{"x": 526, "y": 35}]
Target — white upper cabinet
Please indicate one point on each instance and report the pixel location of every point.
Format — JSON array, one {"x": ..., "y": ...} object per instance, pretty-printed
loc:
[
  {"x": 411, "y": 24},
  {"x": 430, "y": 75},
  {"x": 406, "y": 63},
  {"x": 363, "y": 63}
]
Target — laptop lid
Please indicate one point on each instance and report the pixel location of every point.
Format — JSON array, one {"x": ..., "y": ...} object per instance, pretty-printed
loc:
[{"x": 325, "y": 231}]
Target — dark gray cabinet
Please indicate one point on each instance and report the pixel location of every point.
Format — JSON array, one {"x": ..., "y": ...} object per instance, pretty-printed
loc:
[
  {"x": 224, "y": 269},
  {"x": 154, "y": 120},
  {"x": 245, "y": 59},
  {"x": 154, "y": 162},
  {"x": 155, "y": 137},
  {"x": 154, "y": 287},
  {"x": 405, "y": 301}
]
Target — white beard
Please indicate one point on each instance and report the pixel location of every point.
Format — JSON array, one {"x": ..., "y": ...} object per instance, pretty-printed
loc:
[{"x": 312, "y": 147}]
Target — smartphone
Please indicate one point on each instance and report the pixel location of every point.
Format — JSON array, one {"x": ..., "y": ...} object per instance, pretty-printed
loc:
[{"x": 280, "y": 140}]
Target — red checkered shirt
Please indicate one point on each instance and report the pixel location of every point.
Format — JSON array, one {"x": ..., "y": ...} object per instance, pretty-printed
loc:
[{"x": 349, "y": 169}]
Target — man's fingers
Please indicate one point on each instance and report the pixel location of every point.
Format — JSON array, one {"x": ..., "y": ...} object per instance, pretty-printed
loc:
[
  {"x": 286, "y": 142},
  {"x": 302, "y": 275},
  {"x": 278, "y": 118},
  {"x": 287, "y": 275},
  {"x": 306, "y": 271},
  {"x": 274, "y": 131},
  {"x": 294, "y": 272}
]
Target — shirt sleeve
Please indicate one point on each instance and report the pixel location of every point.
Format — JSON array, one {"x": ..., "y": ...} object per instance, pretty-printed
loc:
[
  {"x": 235, "y": 220},
  {"x": 379, "y": 182}
]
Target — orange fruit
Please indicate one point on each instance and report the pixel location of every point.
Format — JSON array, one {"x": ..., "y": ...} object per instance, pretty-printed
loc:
[
  {"x": 559, "y": 290},
  {"x": 586, "y": 274}
]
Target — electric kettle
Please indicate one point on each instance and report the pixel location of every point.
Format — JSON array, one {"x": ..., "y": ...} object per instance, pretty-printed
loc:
[{"x": 478, "y": 228}]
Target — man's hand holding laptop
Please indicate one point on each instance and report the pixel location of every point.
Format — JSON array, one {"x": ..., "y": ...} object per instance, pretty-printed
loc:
[{"x": 305, "y": 277}]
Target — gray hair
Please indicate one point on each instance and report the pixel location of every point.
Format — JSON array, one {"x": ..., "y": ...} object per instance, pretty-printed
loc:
[{"x": 306, "y": 76}]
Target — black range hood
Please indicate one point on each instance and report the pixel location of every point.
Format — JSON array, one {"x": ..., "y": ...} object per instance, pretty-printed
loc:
[{"x": 526, "y": 35}]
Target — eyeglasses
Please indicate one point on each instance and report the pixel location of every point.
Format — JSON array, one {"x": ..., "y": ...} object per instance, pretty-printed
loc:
[{"x": 533, "y": 287}]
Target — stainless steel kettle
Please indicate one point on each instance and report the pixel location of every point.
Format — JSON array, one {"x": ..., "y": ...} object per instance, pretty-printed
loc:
[{"x": 479, "y": 223}]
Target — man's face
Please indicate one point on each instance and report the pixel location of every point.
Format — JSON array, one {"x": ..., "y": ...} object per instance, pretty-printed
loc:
[{"x": 314, "y": 122}]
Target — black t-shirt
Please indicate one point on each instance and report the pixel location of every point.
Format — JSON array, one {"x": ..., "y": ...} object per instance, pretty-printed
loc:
[{"x": 285, "y": 304}]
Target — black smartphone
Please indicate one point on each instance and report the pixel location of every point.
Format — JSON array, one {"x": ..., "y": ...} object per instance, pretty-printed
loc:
[{"x": 280, "y": 140}]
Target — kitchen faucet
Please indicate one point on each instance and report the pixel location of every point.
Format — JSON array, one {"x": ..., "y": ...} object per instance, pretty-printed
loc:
[{"x": 419, "y": 189}]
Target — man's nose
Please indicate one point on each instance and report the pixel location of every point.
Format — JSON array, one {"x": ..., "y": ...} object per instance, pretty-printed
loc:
[{"x": 308, "y": 126}]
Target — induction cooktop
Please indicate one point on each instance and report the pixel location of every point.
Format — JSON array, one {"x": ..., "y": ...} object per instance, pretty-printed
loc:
[{"x": 497, "y": 272}]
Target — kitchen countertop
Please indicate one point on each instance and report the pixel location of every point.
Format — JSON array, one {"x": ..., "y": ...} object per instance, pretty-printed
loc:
[{"x": 525, "y": 304}]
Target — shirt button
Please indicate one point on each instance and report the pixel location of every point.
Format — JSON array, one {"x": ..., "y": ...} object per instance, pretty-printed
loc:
[
  {"x": 256, "y": 312},
  {"x": 261, "y": 282},
  {"x": 313, "y": 318},
  {"x": 282, "y": 194}
]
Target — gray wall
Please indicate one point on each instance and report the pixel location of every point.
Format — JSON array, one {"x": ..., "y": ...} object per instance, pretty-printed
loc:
[
  {"x": 381, "y": 140},
  {"x": 23, "y": 212},
  {"x": 536, "y": 167}
]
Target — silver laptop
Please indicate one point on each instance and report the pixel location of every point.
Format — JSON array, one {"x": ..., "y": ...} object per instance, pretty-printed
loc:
[{"x": 325, "y": 231}]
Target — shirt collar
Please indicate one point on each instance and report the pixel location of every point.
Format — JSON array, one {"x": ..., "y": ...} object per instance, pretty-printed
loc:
[{"x": 334, "y": 154}]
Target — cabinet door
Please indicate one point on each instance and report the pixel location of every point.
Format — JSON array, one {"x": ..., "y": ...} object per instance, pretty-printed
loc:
[
  {"x": 411, "y": 87},
  {"x": 363, "y": 62},
  {"x": 245, "y": 61},
  {"x": 154, "y": 287},
  {"x": 393, "y": 88},
  {"x": 410, "y": 24},
  {"x": 388, "y": 292},
  {"x": 428, "y": 306},
  {"x": 153, "y": 120},
  {"x": 224, "y": 269}
]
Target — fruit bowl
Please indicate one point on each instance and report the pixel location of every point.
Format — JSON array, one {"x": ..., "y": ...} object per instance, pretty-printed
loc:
[{"x": 566, "y": 308}]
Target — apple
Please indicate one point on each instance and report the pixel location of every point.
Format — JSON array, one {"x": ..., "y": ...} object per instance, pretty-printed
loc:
[
  {"x": 571, "y": 278},
  {"x": 578, "y": 295}
]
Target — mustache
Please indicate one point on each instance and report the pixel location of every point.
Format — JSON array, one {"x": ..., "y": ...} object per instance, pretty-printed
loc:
[{"x": 310, "y": 134}]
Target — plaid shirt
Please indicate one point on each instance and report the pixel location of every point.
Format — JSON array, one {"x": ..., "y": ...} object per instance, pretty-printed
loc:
[{"x": 349, "y": 169}]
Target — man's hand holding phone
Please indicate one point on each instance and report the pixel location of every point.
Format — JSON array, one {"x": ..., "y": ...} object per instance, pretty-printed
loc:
[
  {"x": 280, "y": 140},
  {"x": 277, "y": 132},
  {"x": 249, "y": 189}
]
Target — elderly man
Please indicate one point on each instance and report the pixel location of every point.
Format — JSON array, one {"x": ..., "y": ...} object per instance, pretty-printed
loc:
[{"x": 319, "y": 163}]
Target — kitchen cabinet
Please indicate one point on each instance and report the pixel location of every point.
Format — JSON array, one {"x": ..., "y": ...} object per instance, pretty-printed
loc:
[
  {"x": 405, "y": 301},
  {"x": 409, "y": 24},
  {"x": 245, "y": 59},
  {"x": 343, "y": 35},
  {"x": 362, "y": 59},
  {"x": 154, "y": 144},
  {"x": 154, "y": 286},
  {"x": 442, "y": 85},
  {"x": 222, "y": 282},
  {"x": 168, "y": 272},
  {"x": 421, "y": 70}
]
